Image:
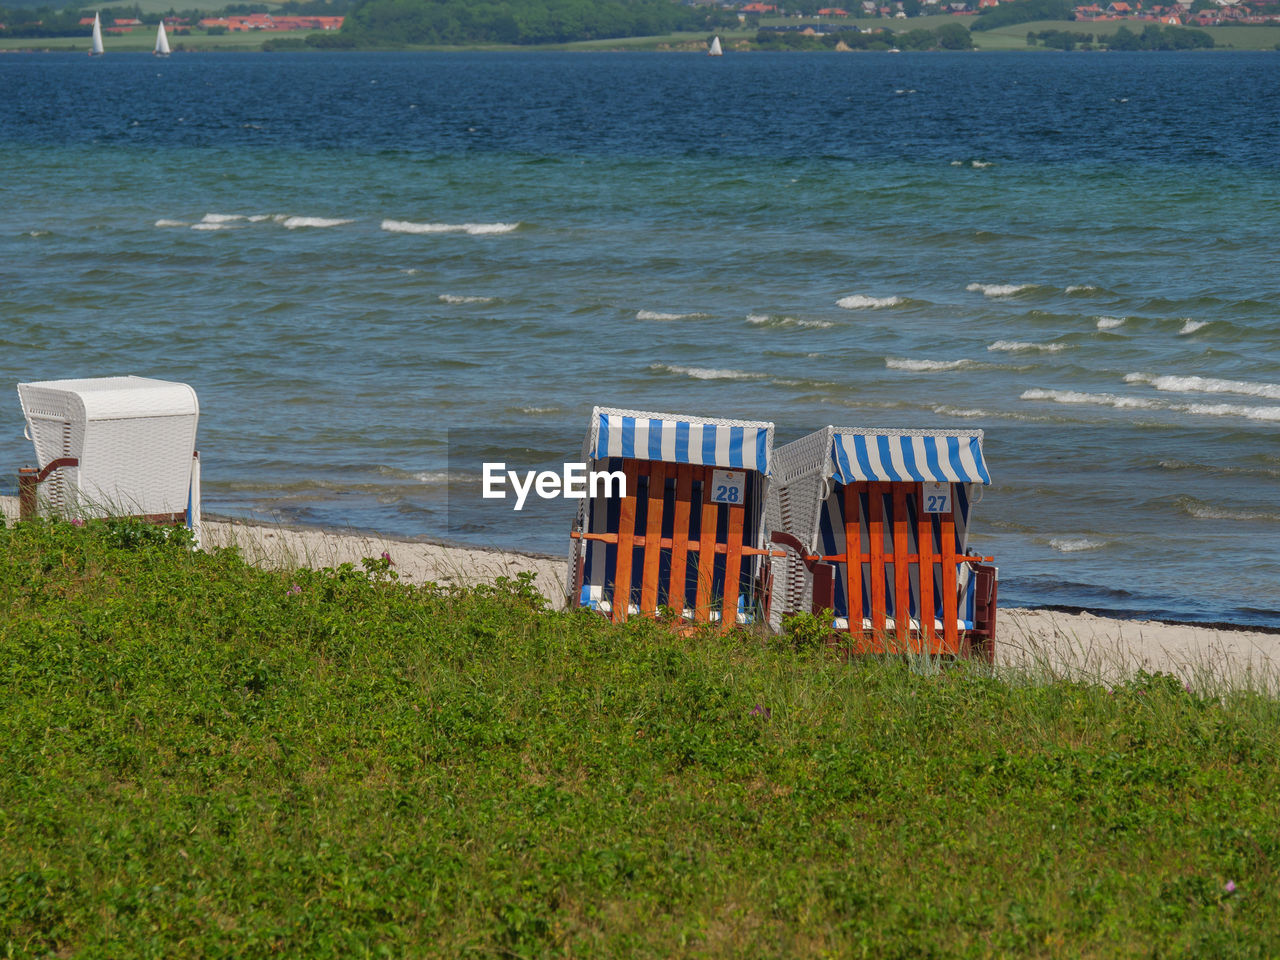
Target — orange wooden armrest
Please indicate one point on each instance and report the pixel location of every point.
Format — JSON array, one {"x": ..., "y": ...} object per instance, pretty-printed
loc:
[
  {"x": 911, "y": 558},
  {"x": 666, "y": 543}
]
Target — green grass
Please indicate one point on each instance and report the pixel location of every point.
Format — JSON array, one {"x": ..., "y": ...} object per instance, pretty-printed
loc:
[
  {"x": 204, "y": 759},
  {"x": 1224, "y": 38}
]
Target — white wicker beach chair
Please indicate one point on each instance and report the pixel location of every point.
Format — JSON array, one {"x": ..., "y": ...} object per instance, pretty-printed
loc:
[
  {"x": 902, "y": 500},
  {"x": 113, "y": 446},
  {"x": 689, "y": 533}
]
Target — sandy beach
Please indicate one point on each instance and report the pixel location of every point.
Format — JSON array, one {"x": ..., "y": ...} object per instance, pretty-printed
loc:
[{"x": 1076, "y": 644}]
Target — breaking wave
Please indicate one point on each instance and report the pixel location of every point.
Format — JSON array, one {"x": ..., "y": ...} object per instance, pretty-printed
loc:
[
  {"x": 1021, "y": 346},
  {"x": 706, "y": 373},
  {"x": 1207, "y": 511},
  {"x": 659, "y": 315},
  {"x": 763, "y": 320},
  {"x": 222, "y": 217},
  {"x": 455, "y": 298},
  {"x": 1075, "y": 544},
  {"x": 1270, "y": 414},
  {"x": 925, "y": 366},
  {"x": 293, "y": 223},
  {"x": 1109, "y": 323},
  {"x": 472, "y": 229},
  {"x": 171, "y": 223},
  {"x": 858, "y": 302},
  {"x": 1191, "y": 326},
  {"x": 1269, "y": 391},
  {"x": 999, "y": 289}
]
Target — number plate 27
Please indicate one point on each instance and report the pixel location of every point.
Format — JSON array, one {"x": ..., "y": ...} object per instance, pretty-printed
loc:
[{"x": 935, "y": 498}]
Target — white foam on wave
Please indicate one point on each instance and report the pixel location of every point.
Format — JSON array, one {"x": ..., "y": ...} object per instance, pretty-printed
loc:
[
  {"x": 37, "y": 233},
  {"x": 1075, "y": 544},
  {"x": 981, "y": 164},
  {"x": 536, "y": 411},
  {"x": 968, "y": 413},
  {"x": 210, "y": 226},
  {"x": 706, "y": 373},
  {"x": 433, "y": 476},
  {"x": 221, "y": 217},
  {"x": 293, "y": 223},
  {"x": 763, "y": 320},
  {"x": 1268, "y": 414},
  {"x": 998, "y": 289},
  {"x": 1022, "y": 346},
  {"x": 1207, "y": 511},
  {"x": 925, "y": 366},
  {"x": 1081, "y": 288},
  {"x": 1097, "y": 399},
  {"x": 455, "y": 298},
  {"x": 472, "y": 229},
  {"x": 1191, "y": 326},
  {"x": 259, "y": 217},
  {"x": 665, "y": 317},
  {"x": 1270, "y": 391},
  {"x": 171, "y": 223},
  {"x": 859, "y": 302},
  {"x": 1109, "y": 323}
]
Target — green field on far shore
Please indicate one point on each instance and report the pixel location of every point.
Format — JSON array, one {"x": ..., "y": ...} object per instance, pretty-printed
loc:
[
  {"x": 143, "y": 39},
  {"x": 1011, "y": 38}
]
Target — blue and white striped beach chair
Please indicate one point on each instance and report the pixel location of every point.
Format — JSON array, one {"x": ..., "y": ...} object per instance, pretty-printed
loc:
[
  {"x": 688, "y": 534},
  {"x": 878, "y": 523}
]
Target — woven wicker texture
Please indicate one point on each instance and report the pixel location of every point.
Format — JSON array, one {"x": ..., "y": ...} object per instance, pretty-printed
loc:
[{"x": 134, "y": 438}]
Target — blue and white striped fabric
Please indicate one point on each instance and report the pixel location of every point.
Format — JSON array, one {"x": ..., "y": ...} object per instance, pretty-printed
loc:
[
  {"x": 742, "y": 447},
  {"x": 936, "y": 458}
]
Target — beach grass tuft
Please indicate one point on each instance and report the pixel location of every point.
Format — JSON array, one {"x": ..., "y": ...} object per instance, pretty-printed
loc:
[{"x": 204, "y": 758}]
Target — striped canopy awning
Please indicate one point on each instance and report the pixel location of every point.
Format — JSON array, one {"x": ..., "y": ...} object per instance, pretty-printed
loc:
[
  {"x": 738, "y": 445},
  {"x": 919, "y": 455}
]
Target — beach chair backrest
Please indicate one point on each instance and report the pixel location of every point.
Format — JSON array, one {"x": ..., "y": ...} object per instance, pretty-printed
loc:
[
  {"x": 132, "y": 438},
  {"x": 889, "y": 510},
  {"x": 688, "y": 534}
]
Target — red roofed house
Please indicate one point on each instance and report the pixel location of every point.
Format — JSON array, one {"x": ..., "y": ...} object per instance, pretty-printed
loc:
[
  {"x": 983, "y": 4},
  {"x": 1120, "y": 9},
  {"x": 759, "y": 8},
  {"x": 832, "y": 12}
]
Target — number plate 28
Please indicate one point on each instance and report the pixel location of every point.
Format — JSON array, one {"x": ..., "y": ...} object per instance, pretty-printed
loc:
[{"x": 728, "y": 486}]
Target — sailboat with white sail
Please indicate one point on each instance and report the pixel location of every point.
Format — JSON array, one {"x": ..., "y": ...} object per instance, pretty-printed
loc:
[
  {"x": 96, "y": 50},
  {"x": 162, "y": 42},
  {"x": 715, "y": 50}
]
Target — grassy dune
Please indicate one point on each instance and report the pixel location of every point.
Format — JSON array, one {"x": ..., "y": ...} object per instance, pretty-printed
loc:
[{"x": 205, "y": 759}]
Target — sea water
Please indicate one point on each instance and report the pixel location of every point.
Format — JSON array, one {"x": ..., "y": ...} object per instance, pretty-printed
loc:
[{"x": 364, "y": 263}]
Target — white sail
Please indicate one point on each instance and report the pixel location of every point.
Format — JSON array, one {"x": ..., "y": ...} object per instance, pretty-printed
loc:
[
  {"x": 715, "y": 50},
  {"x": 162, "y": 42},
  {"x": 97, "y": 37}
]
